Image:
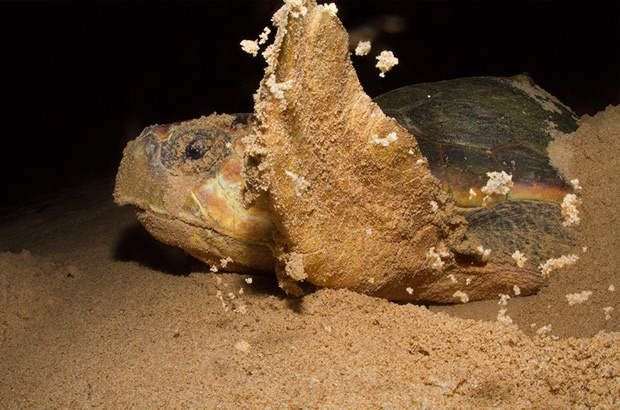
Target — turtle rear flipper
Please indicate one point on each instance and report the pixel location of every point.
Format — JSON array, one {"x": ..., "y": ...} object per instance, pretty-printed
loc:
[{"x": 466, "y": 283}]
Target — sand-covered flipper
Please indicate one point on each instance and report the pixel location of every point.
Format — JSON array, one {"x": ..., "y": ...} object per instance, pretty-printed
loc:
[{"x": 353, "y": 198}]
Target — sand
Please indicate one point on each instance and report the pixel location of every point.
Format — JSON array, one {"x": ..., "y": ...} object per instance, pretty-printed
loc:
[{"x": 96, "y": 313}]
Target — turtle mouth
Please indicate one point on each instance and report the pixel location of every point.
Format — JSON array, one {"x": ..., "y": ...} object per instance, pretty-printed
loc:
[{"x": 207, "y": 244}]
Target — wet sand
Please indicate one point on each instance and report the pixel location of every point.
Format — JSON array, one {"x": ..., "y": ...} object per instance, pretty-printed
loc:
[{"x": 96, "y": 313}]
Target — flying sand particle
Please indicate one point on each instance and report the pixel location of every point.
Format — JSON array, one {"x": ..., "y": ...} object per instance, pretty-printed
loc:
[
  {"x": 264, "y": 36},
  {"x": 330, "y": 9},
  {"x": 220, "y": 296},
  {"x": 363, "y": 48},
  {"x": 484, "y": 253},
  {"x": 301, "y": 185},
  {"x": 435, "y": 257},
  {"x": 250, "y": 47},
  {"x": 224, "y": 262},
  {"x": 503, "y": 318},
  {"x": 499, "y": 183},
  {"x": 434, "y": 206},
  {"x": 386, "y": 61},
  {"x": 544, "y": 331}
]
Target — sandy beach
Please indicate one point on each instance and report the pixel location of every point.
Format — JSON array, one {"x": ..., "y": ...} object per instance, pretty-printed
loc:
[{"x": 96, "y": 313}]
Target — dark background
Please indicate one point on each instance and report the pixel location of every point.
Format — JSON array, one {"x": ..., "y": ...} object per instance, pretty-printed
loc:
[{"x": 82, "y": 79}]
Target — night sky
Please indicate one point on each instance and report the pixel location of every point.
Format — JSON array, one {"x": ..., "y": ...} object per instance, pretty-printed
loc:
[{"x": 82, "y": 79}]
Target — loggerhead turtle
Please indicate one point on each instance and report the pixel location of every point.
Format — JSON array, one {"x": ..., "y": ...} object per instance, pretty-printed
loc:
[
  {"x": 339, "y": 195},
  {"x": 185, "y": 179}
]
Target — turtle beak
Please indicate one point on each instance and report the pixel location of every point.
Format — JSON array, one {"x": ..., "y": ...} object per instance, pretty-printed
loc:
[{"x": 141, "y": 177}]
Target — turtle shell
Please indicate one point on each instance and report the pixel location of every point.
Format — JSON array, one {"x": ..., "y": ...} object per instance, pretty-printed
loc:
[{"x": 470, "y": 126}]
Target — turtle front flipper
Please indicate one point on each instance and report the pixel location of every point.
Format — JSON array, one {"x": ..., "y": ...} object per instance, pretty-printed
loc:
[{"x": 352, "y": 197}]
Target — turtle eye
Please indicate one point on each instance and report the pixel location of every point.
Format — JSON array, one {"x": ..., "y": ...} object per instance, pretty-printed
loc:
[{"x": 196, "y": 149}]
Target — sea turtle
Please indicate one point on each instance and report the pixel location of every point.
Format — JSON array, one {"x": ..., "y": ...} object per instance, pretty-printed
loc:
[
  {"x": 322, "y": 187},
  {"x": 185, "y": 179}
]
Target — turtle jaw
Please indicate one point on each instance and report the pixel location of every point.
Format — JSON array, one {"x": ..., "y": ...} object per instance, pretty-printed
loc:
[{"x": 207, "y": 245}]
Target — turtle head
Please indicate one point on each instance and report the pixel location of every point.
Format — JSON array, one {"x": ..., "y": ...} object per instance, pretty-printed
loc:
[{"x": 184, "y": 179}]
